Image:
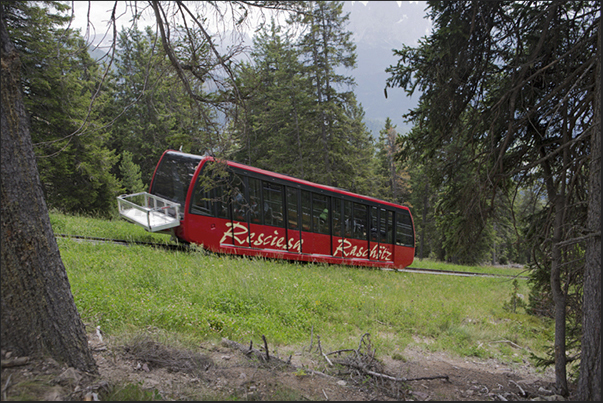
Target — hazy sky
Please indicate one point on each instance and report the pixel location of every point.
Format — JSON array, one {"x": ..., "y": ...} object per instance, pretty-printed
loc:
[{"x": 99, "y": 14}]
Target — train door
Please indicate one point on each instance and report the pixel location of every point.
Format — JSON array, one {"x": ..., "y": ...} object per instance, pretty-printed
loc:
[
  {"x": 373, "y": 221},
  {"x": 307, "y": 242},
  {"x": 321, "y": 224},
  {"x": 267, "y": 223},
  {"x": 293, "y": 202},
  {"x": 255, "y": 216},
  {"x": 386, "y": 235},
  {"x": 337, "y": 242},
  {"x": 273, "y": 216},
  {"x": 381, "y": 234},
  {"x": 316, "y": 236},
  {"x": 355, "y": 244},
  {"x": 238, "y": 195},
  {"x": 360, "y": 232}
]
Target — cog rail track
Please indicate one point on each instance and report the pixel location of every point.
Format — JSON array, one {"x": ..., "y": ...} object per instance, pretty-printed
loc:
[
  {"x": 181, "y": 247},
  {"x": 187, "y": 248}
]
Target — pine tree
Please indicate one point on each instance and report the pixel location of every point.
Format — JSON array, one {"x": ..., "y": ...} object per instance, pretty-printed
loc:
[
  {"x": 512, "y": 86},
  {"x": 326, "y": 48},
  {"x": 60, "y": 79},
  {"x": 153, "y": 112},
  {"x": 130, "y": 173},
  {"x": 278, "y": 106},
  {"x": 395, "y": 180}
]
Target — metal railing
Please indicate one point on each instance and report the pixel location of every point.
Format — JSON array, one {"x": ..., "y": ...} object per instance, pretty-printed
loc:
[{"x": 152, "y": 212}]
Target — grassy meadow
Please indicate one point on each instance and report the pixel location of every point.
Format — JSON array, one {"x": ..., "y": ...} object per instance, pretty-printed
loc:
[{"x": 197, "y": 296}]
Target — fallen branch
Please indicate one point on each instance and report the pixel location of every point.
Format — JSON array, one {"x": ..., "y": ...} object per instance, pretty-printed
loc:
[
  {"x": 509, "y": 342},
  {"x": 14, "y": 362},
  {"x": 393, "y": 378},
  {"x": 323, "y": 354},
  {"x": 523, "y": 393},
  {"x": 345, "y": 350},
  {"x": 248, "y": 350},
  {"x": 266, "y": 348}
]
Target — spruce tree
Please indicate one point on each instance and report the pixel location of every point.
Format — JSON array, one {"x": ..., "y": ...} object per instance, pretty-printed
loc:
[
  {"x": 278, "y": 106},
  {"x": 326, "y": 49},
  {"x": 60, "y": 80}
]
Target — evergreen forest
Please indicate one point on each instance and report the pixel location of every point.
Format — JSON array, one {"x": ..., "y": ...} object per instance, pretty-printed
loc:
[{"x": 498, "y": 167}]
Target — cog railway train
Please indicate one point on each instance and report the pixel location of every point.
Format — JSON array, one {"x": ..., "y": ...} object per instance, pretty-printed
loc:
[{"x": 227, "y": 207}]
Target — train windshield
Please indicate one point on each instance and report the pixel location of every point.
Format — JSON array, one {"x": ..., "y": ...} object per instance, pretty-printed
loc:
[{"x": 174, "y": 175}]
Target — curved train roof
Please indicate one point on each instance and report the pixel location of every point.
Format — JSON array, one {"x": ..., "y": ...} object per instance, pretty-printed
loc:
[{"x": 287, "y": 178}]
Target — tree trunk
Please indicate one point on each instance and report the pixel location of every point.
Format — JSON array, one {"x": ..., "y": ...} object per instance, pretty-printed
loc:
[
  {"x": 38, "y": 314},
  {"x": 589, "y": 383},
  {"x": 424, "y": 222}
]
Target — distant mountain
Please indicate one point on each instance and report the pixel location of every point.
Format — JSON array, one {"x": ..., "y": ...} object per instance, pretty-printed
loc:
[{"x": 378, "y": 27}]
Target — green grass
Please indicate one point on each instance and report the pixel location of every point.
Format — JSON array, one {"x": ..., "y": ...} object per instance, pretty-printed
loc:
[
  {"x": 202, "y": 297},
  {"x": 102, "y": 228}
]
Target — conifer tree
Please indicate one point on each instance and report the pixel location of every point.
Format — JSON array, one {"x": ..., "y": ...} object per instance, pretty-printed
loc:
[
  {"x": 326, "y": 48},
  {"x": 396, "y": 179},
  {"x": 130, "y": 173},
  {"x": 511, "y": 89},
  {"x": 153, "y": 112},
  {"x": 278, "y": 106},
  {"x": 60, "y": 80}
]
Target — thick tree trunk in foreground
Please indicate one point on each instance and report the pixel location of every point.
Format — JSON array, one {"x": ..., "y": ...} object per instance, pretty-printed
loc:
[
  {"x": 589, "y": 383},
  {"x": 38, "y": 313}
]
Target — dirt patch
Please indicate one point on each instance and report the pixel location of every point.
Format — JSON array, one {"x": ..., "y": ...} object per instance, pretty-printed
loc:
[{"x": 144, "y": 369}]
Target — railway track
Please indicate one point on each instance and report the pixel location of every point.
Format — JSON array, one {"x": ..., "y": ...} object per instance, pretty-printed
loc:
[
  {"x": 181, "y": 247},
  {"x": 458, "y": 273},
  {"x": 186, "y": 247}
]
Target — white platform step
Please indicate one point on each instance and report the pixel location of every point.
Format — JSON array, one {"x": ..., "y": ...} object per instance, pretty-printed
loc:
[{"x": 151, "y": 212}]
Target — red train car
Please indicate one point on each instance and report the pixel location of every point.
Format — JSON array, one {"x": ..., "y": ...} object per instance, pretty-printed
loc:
[{"x": 228, "y": 207}]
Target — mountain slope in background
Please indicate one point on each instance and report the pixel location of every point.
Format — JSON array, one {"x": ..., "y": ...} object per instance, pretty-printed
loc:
[{"x": 379, "y": 27}]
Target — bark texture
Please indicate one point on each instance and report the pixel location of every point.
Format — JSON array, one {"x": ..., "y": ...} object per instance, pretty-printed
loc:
[
  {"x": 38, "y": 312},
  {"x": 589, "y": 383}
]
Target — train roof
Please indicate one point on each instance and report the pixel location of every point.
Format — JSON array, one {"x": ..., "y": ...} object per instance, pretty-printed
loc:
[{"x": 286, "y": 178}]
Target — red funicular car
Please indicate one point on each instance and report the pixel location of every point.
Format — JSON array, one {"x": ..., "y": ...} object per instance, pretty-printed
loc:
[{"x": 229, "y": 207}]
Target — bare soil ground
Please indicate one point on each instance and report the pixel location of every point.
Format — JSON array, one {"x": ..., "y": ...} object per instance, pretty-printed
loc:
[{"x": 145, "y": 369}]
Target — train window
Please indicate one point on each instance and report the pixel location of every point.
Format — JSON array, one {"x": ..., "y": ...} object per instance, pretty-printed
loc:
[
  {"x": 221, "y": 202},
  {"x": 173, "y": 177},
  {"x": 404, "y": 231},
  {"x": 255, "y": 199},
  {"x": 306, "y": 203},
  {"x": 336, "y": 217},
  {"x": 386, "y": 220},
  {"x": 201, "y": 201},
  {"x": 272, "y": 209},
  {"x": 374, "y": 220},
  {"x": 359, "y": 222},
  {"x": 292, "y": 215},
  {"x": 348, "y": 218},
  {"x": 320, "y": 213}
]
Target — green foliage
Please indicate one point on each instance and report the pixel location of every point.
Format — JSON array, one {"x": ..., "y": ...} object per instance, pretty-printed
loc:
[
  {"x": 130, "y": 392},
  {"x": 508, "y": 104},
  {"x": 277, "y": 125},
  {"x": 204, "y": 296},
  {"x": 391, "y": 179},
  {"x": 130, "y": 173},
  {"x": 297, "y": 122},
  {"x": 59, "y": 80},
  {"x": 516, "y": 300},
  {"x": 152, "y": 110}
]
